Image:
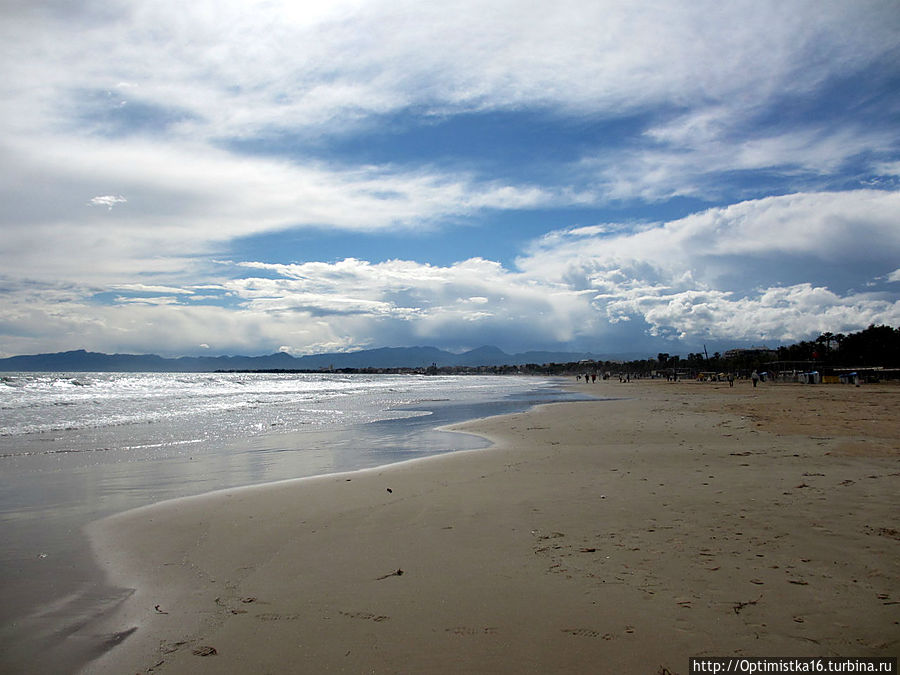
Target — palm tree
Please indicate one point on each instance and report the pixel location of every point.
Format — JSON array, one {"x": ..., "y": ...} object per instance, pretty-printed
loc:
[{"x": 825, "y": 340}]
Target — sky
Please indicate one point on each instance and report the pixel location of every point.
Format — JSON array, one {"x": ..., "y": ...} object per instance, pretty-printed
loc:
[{"x": 619, "y": 177}]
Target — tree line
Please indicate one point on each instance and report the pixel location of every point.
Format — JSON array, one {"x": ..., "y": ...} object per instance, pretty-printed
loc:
[{"x": 875, "y": 346}]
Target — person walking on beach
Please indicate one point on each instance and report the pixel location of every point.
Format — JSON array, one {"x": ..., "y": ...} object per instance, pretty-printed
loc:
[{"x": 755, "y": 377}]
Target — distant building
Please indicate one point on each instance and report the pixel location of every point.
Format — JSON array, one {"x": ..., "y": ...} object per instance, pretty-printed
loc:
[{"x": 751, "y": 352}]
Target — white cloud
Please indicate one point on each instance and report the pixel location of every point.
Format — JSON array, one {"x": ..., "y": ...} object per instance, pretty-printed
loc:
[
  {"x": 775, "y": 314},
  {"x": 145, "y": 288},
  {"x": 403, "y": 302},
  {"x": 725, "y": 273},
  {"x": 252, "y": 69},
  {"x": 239, "y": 67},
  {"x": 109, "y": 201},
  {"x": 162, "y": 300},
  {"x": 800, "y": 231},
  {"x": 188, "y": 201},
  {"x": 698, "y": 158},
  {"x": 888, "y": 168}
]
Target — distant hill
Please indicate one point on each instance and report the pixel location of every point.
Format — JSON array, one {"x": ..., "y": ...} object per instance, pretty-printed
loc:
[{"x": 386, "y": 357}]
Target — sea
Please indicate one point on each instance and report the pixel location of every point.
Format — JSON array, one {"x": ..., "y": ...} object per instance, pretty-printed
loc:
[{"x": 76, "y": 447}]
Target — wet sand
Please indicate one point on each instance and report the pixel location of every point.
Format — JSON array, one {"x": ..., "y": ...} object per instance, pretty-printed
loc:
[{"x": 612, "y": 536}]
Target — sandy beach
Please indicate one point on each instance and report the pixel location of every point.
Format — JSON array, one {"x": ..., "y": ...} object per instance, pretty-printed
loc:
[{"x": 608, "y": 536}]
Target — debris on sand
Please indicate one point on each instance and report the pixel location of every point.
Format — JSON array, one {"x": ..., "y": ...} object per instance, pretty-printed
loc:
[{"x": 738, "y": 606}]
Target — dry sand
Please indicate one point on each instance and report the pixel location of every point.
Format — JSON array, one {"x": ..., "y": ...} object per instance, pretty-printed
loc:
[{"x": 615, "y": 536}]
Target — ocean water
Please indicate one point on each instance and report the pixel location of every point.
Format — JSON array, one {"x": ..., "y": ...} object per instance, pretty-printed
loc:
[{"x": 77, "y": 447}]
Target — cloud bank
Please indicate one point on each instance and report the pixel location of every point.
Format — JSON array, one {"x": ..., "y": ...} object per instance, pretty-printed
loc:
[{"x": 690, "y": 280}]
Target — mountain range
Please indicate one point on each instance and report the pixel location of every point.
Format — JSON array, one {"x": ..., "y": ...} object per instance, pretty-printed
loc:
[{"x": 386, "y": 357}]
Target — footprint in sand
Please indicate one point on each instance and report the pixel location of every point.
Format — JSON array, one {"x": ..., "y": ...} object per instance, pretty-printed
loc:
[
  {"x": 587, "y": 632},
  {"x": 171, "y": 647},
  {"x": 365, "y": 616},
  {"x": 466, "y": 630}
]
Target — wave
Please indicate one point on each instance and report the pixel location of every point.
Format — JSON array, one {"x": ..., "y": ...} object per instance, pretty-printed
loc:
[
  {"x": 108, "y": 411},
  {"x": 73, "y": 451}
]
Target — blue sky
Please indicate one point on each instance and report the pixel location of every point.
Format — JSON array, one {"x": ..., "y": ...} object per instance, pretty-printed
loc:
[{"x": 618, "y": 177}]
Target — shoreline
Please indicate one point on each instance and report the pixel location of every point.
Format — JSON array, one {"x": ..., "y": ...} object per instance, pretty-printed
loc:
[
  {"x": 56, "y": 597},
  {"x": 609, "y": 535}
]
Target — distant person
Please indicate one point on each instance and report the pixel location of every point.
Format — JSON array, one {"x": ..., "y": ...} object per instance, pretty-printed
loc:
[
  {"x": 755, "y": 377},
  {"x": 593, "y": 377},
  {"x": 730, "y": 379}
]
